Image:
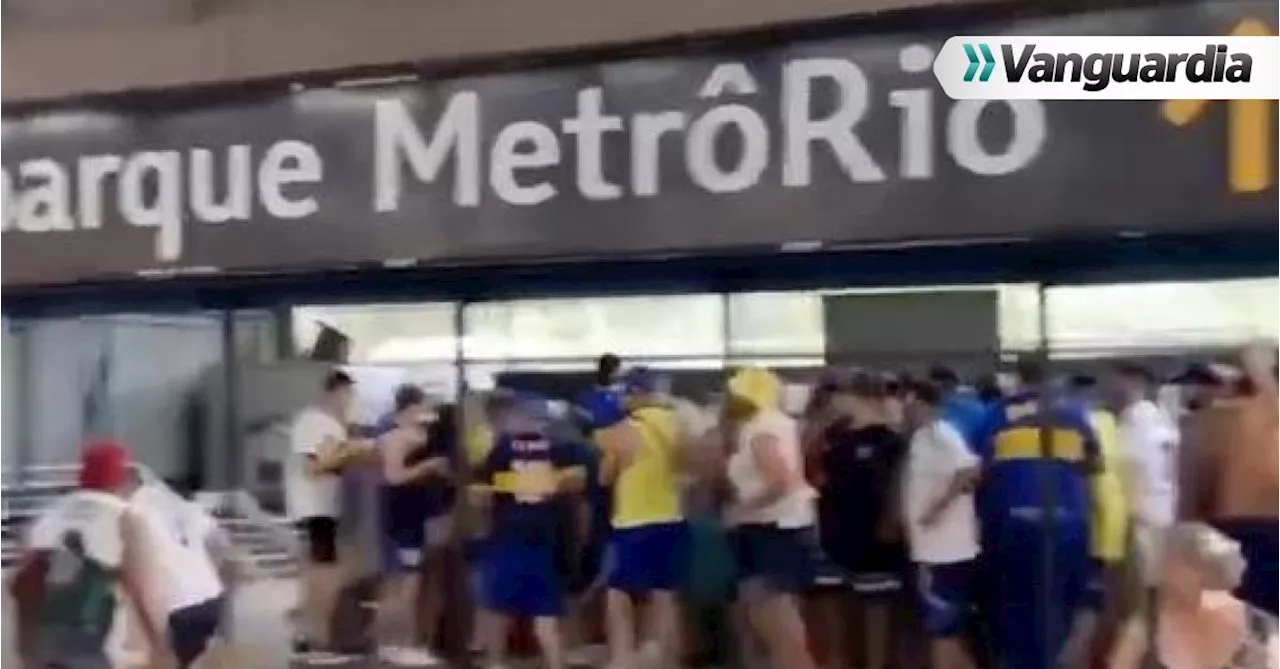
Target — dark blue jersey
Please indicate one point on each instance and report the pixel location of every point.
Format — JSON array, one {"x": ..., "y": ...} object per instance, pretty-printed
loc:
[
  {"x": 1025, "y": 446},
  {"x": 523, "y": 471}
]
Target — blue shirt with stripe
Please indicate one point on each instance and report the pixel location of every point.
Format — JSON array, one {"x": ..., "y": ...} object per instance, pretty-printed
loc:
[
  {"x": 967, "y": 414},
  {"x": 1018, "y": 463}
]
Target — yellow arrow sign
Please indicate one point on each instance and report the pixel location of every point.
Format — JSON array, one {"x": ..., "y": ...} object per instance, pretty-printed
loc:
[{"x": 1249, "y": 127}]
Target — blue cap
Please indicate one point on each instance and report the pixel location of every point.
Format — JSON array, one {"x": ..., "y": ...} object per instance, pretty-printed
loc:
[
  {"x": 532, "y": 406},
  {"x": 641, "y": 380}
]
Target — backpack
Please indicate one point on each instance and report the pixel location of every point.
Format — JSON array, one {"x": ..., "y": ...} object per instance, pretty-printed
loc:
[{"x": 79, "y": 600}]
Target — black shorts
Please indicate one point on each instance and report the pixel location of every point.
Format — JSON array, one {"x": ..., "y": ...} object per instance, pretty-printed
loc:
[
  {"x": 322, "y": 538},
  {"x": 192, "y": 628},
  {"x": 785, "y": 559},
  {"x": 868, "y": 568},
  {"x": 1257, "y": 539}
]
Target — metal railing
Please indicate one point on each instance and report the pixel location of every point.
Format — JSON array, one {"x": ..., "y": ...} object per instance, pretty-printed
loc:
[{"x": 267, "y": 542}]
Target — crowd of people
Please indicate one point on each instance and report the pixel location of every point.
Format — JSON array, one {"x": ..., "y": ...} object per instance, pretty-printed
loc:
[{"x": 1057, "y": 522}]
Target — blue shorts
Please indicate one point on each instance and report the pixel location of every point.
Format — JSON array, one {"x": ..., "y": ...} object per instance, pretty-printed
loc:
[
  {"x": 785, "y": 559},
  {"x": 520, "y": 579},
  {"x": 403, "y": 548},
  {"x": 647, "y": 558},
  {"x": 946, "y": 592}
]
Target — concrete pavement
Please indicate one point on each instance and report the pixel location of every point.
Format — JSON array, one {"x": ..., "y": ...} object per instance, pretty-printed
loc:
[{"x": 260, "y": 629}]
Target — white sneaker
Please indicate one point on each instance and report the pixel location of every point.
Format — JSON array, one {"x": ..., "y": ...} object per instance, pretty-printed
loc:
[
  {"x": 325, "y": 658},
  {"x": 408, "y": 657},
  {"x": 587, "y": 656}
]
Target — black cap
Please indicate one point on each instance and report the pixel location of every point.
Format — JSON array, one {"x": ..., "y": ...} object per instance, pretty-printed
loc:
[
  {"x": 944, "y": 375},
  {"x": 1082, "y": 382},
  {"x": 1199, "y": 374}
]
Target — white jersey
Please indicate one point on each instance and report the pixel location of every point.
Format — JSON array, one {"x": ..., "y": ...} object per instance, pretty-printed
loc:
[
  {"x": 312, "y": 496},
  {"x": 177, "y": 532},
  {"x": 1149, "y": 443},
  {"x": 795, "y": 508}
]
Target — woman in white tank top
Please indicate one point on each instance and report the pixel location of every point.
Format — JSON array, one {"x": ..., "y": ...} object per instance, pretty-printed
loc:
[{"x": 772, "y": 515}]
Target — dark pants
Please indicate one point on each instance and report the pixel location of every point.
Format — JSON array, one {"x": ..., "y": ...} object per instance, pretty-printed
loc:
[
  {"x": 1034, "y": 608},
  {"x": 1260, "y": 546},
  {"x": 192, "y": 628}
]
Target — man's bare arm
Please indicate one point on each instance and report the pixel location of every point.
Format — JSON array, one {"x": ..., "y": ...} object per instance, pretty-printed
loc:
[
  {"x": 133, "y": 583},
  {"x": 1196, "y": 471}
]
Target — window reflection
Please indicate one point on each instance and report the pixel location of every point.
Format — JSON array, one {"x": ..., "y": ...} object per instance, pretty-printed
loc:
[
  {"x": 676, "y": 326},
  {"x": 781, "y": 329},
  {"x": 1120, "y": 317},
  {"x": 382, "y": 333},
  {"x": 776, "y": 324}
]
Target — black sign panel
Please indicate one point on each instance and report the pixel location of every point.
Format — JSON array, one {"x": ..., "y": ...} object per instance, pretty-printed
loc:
[{"x": 844, "y": 141}]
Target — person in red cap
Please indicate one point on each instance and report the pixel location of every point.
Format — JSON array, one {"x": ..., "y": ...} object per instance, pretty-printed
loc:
[{"x": 82, "y": 556}]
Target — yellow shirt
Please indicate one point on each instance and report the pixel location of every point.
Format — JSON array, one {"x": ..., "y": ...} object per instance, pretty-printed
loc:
[
  {"x": 647, "y": 491},
  {"x": 1110, "y": 523},
  {"x": 479, "y": 443}
]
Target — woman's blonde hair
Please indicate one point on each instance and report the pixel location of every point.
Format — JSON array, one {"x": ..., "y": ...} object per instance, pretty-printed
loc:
[{"x": 1213, "y": 554}]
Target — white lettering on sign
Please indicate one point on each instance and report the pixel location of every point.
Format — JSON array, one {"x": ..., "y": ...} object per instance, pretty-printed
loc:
[
  {"x": 807, "y": 132},
  {"x": 163, "y": 190},
  {"x": 724, "y": 138}
]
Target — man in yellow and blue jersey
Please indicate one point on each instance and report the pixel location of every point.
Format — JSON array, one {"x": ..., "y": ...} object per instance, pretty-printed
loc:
[
  {"x": 640, "y": 460},
  {"x": 524, "y": 478},
  {"x": 1040, "y": 452}
]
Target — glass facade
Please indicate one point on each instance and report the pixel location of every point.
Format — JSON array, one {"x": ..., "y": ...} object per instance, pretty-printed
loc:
[
  {"x": 708, "y": 331},
  {"x": 71, "y": 377},
  {"x": 204, "y": 399}
]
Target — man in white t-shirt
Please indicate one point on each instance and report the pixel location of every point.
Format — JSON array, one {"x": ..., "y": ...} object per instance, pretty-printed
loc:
[
  {"x": 942, "y": 523},
  {"x": 1149, "y": 448},
  {"x": 321, "y": 447}
]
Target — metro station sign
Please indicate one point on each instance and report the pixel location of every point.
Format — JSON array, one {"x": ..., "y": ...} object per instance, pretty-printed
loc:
[{"x": 833, "y": 142}]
